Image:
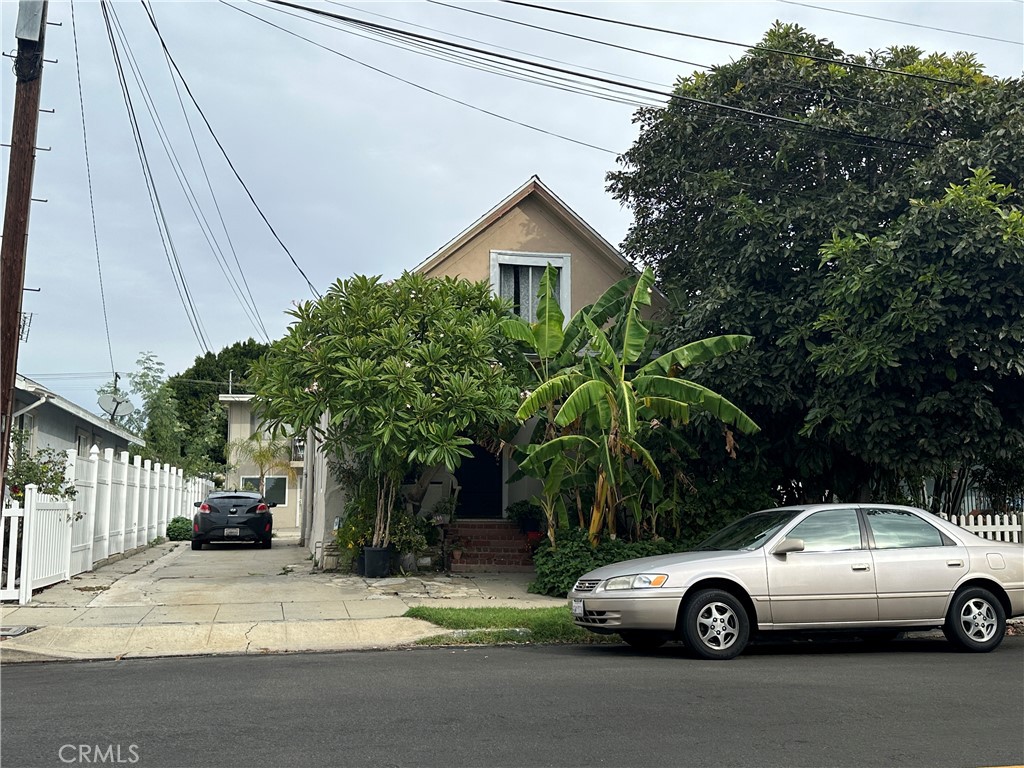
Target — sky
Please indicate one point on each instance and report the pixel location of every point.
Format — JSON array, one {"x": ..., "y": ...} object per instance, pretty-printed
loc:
[{"x": 356, "y": 171}]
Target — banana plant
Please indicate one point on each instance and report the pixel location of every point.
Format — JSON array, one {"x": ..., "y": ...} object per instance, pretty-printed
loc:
[{"x": 608, "y": 399}]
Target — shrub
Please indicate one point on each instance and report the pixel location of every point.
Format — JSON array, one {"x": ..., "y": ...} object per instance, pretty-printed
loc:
[
  {"x": 559, "y": 568},
  {"x": 44, "y": 468},
  {"x": 527, "y": 515},
  {"x": 179, "y": 529}
]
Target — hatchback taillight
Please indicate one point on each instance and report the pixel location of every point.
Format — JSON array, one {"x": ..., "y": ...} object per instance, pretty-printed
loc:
[
  {"x": 262, "y": 508},
  {"x": 204, "y": 507}
]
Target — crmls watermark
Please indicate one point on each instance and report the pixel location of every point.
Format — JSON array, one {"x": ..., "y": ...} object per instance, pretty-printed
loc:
[{"x": 94, "y": 754}]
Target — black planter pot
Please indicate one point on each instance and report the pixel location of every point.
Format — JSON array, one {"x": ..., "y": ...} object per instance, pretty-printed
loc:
[{"x": 377, "y": 562}]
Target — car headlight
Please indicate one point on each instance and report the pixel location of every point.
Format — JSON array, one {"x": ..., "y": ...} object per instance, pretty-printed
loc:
[{"x": 639, "y": 581}]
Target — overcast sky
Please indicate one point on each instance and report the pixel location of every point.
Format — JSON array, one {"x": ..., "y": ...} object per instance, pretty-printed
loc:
[{"x": 357, "y": 172}]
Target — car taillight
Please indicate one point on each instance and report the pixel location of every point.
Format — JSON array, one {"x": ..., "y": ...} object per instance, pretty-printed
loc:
[
  {"x": 262, "y": 508},
  {"x": 195, "y": 527},
  {"x": 267, "y": 529},
  {"x": 204, "y": 507}
]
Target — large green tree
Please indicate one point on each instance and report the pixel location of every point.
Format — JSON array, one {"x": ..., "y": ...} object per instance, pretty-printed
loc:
[
  {"x": 409, "y": 373},
  {"x": 922, "y": 359},
  {"x": 157, "y": 419},
  {"x": 732, "y": 210},
  {"x": 197, "y": 387}
]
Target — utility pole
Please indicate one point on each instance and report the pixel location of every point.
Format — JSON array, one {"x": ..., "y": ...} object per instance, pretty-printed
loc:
[{"x": 28, "y": 70}]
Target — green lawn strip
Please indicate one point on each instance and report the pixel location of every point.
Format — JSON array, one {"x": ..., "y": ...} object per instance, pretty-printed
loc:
[{"x": 500, "y": 626}]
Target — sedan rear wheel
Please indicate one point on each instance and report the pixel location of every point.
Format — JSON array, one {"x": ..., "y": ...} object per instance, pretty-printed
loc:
[
  {"x": 644, "y": 641},
  {"x": 715, "y": 625},
  {"x": 976, "y": 621},
  {"x": 197, "y": 544}
]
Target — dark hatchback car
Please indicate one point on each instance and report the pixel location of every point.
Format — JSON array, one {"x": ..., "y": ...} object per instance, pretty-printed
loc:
[{"x": 233, "y": 516}]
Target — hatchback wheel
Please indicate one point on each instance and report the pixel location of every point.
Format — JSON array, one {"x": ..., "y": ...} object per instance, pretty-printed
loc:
[
  {"x": 644, "y": 641},
  {"x": 266, "y": 543},
  {"x": 197, "y": 544},
  {"x": 976, "y": 621},
  {"x": 715, "y": 625}
]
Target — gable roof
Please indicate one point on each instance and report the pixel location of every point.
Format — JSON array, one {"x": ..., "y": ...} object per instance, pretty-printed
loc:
[
  {"x": 536, "y": 188},
  {"x": 34, "y": 388}
]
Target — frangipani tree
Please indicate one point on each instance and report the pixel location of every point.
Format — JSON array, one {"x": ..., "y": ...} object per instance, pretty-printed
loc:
[
  {"x": 609, "y": 398},
  {"x": 405, "y": 374}
]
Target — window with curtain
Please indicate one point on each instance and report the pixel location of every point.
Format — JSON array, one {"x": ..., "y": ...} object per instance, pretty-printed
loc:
[{"x": 520, "y": 284}]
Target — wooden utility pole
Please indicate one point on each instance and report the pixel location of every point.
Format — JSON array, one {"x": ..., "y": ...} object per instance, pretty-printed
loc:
[{"x": 28, "y": 70}]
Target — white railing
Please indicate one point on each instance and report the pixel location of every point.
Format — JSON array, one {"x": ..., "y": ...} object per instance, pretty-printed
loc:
[
  {"x": 992, "y": 527},
  {"x": 121, "y": 503}
]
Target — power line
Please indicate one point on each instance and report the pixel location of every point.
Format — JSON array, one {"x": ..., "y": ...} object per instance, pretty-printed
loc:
[
  {"x": 568, "y": 34},
  {"x": 475, "y": 62},
  {"x": 524, "y": 74},
  {"x": 231, "y": 165},
  {"x": 182, "y": 178},
  {"x": 764, "y": 49},
  {"x": 904, "y": 23},
  {"x": 216, "y": 204},
  {"x": 639, "y": 51},
  {"x": 158, "y": 125},
  {"x": 537, "y": 80},
  {"x": 800, "y": 124},
  {"x": 92, "y": 202},
  {"x": 180, "y": 284},
  {"x": 757, "y": 188},
  {"x": 500, "y": 47},
  {"x": 423, "y": 87}
]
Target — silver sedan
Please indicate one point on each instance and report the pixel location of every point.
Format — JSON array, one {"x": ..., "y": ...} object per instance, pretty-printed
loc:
[{"x": 874, "y": 569}]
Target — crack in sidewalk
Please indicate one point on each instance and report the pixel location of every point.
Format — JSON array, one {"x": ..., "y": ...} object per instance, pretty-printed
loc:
[{"x": 248, "y": 641}]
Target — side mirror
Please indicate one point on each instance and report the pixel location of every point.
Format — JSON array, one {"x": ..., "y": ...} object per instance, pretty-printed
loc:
[
  {"x": 789, "y": 545},
  {"x": 272, "y": 504},
  {"x": 197, "y": 503}
]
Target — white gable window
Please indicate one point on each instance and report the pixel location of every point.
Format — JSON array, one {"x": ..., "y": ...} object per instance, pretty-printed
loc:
[{"x": 516, "y": 276}]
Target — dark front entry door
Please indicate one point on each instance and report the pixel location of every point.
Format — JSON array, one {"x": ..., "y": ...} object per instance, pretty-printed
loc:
[{"x": 480, "y": 478}]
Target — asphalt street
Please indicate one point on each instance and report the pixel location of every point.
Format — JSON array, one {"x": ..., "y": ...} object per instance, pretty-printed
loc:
[{"x": 916, "y": 703}]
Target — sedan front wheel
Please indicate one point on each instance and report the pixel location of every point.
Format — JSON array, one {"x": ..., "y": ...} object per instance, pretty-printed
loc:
[
  {"x": 715, "y": 625},
  {"x": 976, "y": 621}
]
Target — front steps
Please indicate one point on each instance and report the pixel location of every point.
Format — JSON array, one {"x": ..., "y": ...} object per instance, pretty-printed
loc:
[{"x": 488, "y": 546}]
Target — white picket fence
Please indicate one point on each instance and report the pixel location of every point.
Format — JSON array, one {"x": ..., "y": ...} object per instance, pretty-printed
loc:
[
  {"x": 992, "y": 527},
  {"x": 121, "y": 503}
]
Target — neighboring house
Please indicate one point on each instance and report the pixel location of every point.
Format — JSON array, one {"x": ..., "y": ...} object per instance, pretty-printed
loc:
[
  {"x": 281, "y": 487},
  {"x": 53, "y": 422},
  {"x": 509, "y": 246}
]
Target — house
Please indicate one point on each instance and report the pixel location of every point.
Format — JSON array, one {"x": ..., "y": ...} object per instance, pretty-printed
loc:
[
  {"x": 283, "y": 480},
  {"x": 509, "y": 246},
  {"x": 50, "y": 421}
]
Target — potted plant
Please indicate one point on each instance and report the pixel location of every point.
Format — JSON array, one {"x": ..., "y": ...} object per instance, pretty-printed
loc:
[
  {"x": 455, "y": 547},
  {"x": 527, "y": 515},
  {"x": 443, "y": 512},
  {"x": 407, "y": 539}
]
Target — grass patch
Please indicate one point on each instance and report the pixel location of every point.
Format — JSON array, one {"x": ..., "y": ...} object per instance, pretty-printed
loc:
[{"x": 501, "y": 626}]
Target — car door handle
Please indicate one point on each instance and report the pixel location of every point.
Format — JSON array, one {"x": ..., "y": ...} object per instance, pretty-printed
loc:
[
  {"x": 955, "y": 563},
  {"x": 861, "y": 567}
]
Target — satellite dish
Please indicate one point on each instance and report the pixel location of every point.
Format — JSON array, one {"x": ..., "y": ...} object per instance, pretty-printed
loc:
[{"x": 116, "y": 405}]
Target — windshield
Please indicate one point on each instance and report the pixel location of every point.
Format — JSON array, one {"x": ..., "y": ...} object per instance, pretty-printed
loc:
[{"x": 749, "y": 533}]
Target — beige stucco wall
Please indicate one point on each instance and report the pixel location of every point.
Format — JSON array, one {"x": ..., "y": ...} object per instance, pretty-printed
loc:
[
  {"x": 532, "y": 227},
  {"x": 287, "y": 517}
]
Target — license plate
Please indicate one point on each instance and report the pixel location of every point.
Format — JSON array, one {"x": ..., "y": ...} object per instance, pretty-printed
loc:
[
  {"x": 230, "y": 531},
  {"x": 577, "y": 607}
]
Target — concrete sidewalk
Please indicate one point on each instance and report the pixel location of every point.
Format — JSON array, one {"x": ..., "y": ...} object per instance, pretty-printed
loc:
[{"x": 234, "y": 599}]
